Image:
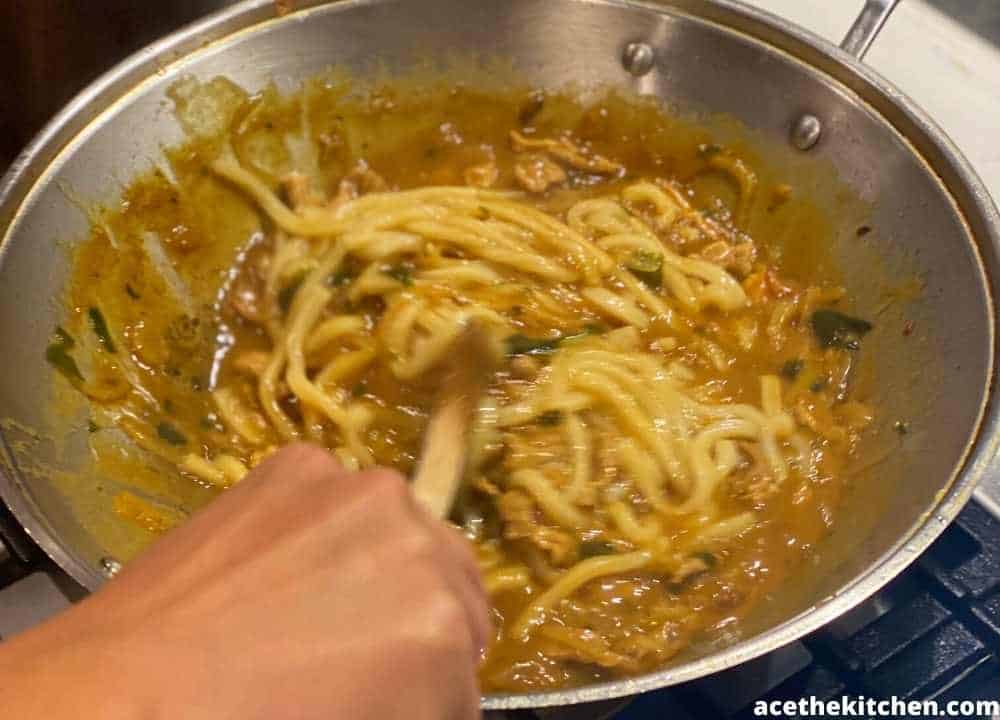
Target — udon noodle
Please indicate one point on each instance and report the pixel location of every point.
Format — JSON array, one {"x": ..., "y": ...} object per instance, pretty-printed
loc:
[{"x": 666, "y": 396}]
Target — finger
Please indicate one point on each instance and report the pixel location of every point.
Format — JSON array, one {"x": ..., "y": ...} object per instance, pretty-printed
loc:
[
  {"x": 455, "y": 555},
  {"x": 272, "y": 502},
  {"x": 458, "y": 546},
  {"x": 463, "y": 572},
  {"x": 291, "y": 466},
  {"x": 466, "y": 697}
]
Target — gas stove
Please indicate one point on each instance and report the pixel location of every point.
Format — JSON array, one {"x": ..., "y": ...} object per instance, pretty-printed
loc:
[{"x": 934, "y": 632}]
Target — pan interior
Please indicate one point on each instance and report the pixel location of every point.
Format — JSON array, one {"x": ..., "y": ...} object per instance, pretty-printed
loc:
[{"x": 900, "y": 240}]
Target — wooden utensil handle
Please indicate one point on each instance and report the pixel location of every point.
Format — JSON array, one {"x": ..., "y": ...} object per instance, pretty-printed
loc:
[{"x": 443, "y": 462}]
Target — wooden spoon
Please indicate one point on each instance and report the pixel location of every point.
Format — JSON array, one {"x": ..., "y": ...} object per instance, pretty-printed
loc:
[{"x": 469, "y": 364}]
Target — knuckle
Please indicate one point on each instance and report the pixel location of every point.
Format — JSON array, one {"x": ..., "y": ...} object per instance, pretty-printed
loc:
[
  {"x": 383, "y": 477},
  {"x": 417, "y": 544},
  {"x": 445, "y": 618},
  {"x": 387, "y": 487},
  {"x": 440, "y": 626},
  {"x": 308, "y": 459}
]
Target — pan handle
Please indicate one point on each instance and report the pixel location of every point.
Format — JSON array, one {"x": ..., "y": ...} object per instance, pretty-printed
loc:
[{"x": 867, "y": 26}]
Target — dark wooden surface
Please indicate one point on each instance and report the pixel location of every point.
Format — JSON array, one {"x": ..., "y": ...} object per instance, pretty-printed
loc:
[{"x": 50, "y": 49}]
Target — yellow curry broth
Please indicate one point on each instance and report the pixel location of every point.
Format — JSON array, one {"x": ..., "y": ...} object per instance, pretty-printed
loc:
[{"x": 180, "y": 348}]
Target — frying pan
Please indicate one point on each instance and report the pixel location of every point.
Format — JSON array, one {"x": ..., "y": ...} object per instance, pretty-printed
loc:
[{"x": 836, "y": 129}]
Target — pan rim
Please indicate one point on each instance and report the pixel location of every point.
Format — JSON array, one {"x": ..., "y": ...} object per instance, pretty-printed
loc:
[{"x": 48, "y": 149}]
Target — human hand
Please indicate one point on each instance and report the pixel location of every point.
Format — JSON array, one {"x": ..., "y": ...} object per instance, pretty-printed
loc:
[{"x": 304, "y": 592}]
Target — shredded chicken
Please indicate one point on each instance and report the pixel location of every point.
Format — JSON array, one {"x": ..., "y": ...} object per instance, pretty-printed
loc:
[
  {"x": 525, "y": 367},
  {"x": 685, "y": 232},
  {"x": 522, "y": 522},
  {"x": 536, "y": 173},
  {"x": 764, "y": 286},
  {"x": 486, "y": 486},
  {"x": 568, "y": 152},
  {"x": 246, "y": 294},
  {"x": 688, "y": 569},
  {"x": 359, "y": 181},
  {"x": 783, "y": 317},
  {"x": 299, "y": 191},
  {"x": 753, "y": 488},
  {"x": 519, "y": 513},
  {"x": 540, "y": 567},
  {"x": 818, "y": 418},
  {"x": 483, "y": 175},
  {"x": 366, "y": 179},
  {"x": 588, "y": 635},
  {"x": 560, "y": 545},
  {"x": 662, "y": 643},
  {"x": 252, "y": 362},
  {"x": 583, "y": 644},
  {"x": 756, "y": 484},
  {"x": 737, "y": 258}
]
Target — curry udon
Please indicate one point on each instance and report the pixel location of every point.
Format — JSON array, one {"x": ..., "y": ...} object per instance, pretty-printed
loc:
[{"x": 667, "y": 436}]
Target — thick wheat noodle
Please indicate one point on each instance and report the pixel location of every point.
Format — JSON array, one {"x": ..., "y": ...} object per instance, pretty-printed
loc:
[
  {"x": 637, "y": 412},
  {"x": 594, "y": 261},
  {"x": 705, "y": 224},
  {"x": 506, "y": 578},
  {"x": 675, "y": 450},
  {"x": 333, "y": 329},
  {"x": 630, "y": 414},
  {"x": 465, "y": 272},
  {"x": 745, "y": 179},
  {"x": 267, "y": 393},
  {"x": 345, "y": 365},
  {"x": 578, "y": 441},
  {"x": 641, "y": 534},
  {"x": 550, "y": 500},
  {"x": 617, "y": 307},
  {"x": 515, "y": 258},
  {"x": 237, "y": 417},
  {"x": 232, "y": 468},
  {"x": 573, "y": 579},
  {"x": 203, "y": 469},
  {"x": 643, "y": 472}
]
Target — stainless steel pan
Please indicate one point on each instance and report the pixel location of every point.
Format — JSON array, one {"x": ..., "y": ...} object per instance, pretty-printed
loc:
[{"x": 816, "y": 111}]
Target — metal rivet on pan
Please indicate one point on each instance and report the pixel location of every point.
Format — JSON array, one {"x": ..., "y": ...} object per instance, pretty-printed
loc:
[
  {"x": 638, "y": 58},
  {"x": 806, "y": 131},
  {"x": 110, "y": 567}
]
